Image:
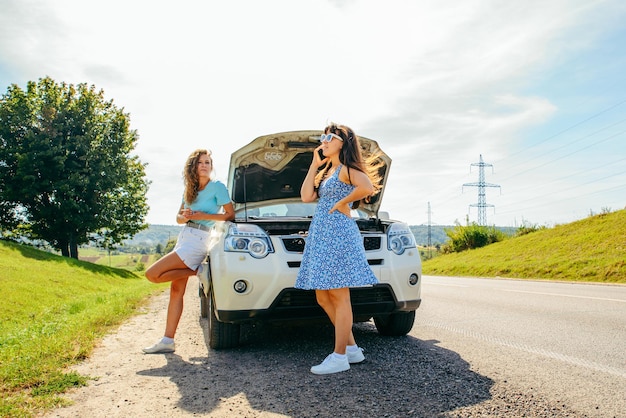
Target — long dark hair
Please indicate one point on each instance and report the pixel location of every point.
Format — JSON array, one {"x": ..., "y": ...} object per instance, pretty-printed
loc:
[
  {"x": 353, "y": 157},
  {"x": 190, "y": 174}
]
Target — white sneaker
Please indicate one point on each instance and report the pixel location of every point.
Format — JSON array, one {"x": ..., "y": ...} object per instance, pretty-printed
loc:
[
  {"x": 203, "y": 278},
  {"x": 355, "y": 356},
  {"x": 331, "y": 364},
  {"x": 160, "y": 347}
]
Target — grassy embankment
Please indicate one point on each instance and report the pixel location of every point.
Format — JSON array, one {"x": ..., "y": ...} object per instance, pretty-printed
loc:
[
  {"x": 589, "y": 250},
  {"x": 54, "y": 311}
]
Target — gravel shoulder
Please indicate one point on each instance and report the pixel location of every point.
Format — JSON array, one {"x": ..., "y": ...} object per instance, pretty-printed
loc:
[{"x": 268, "y": 376}]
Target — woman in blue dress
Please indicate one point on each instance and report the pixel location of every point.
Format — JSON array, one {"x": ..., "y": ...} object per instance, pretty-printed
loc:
[{"x": 334, "y": 258}]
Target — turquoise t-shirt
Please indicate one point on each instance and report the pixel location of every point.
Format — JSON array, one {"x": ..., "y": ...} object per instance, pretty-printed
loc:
[{"x": 210, "y": 200}]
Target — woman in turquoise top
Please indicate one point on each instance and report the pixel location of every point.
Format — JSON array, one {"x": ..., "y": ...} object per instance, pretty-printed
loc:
[
  {"x": 205, "y": 201},
  {"x": 334, "y": 258}
]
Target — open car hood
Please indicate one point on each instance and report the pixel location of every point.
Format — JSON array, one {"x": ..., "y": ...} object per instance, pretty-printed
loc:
[{"x": 271, "y": 169}]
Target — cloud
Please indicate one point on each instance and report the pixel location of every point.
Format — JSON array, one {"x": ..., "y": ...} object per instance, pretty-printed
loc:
[{"x": 436, "y": 83}]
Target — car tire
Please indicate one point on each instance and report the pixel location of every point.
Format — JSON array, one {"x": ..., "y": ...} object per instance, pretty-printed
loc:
[
  {"x": 395, "y": 324},
  {"x": 204, "y": 304},
  {"x": 221, "y": 334}
]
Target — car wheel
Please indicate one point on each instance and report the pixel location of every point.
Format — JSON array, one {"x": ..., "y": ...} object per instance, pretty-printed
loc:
[
  {"x": 221, "y": 334},
  {"x": 396, "y": 324},
  {"x": 204, "y": 286},
  {"x": 204, "y": 304}
]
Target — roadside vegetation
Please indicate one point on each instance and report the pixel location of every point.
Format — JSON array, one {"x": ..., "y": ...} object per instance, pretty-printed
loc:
[
  {"x": 470, "y": 237},
  {"x": 589, "y": 250},
  {"x": 54, "y": 310}
]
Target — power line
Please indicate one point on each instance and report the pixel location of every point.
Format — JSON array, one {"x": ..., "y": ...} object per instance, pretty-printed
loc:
[
  {"x": 429, "y": 233},
  {"x": 518, "y": 208},
  {"x": 447, "y": 196},
  {"x": 585, "y": 171},
  {"x": 567, "y": 155},
  {"x": 569, "y": 128}
]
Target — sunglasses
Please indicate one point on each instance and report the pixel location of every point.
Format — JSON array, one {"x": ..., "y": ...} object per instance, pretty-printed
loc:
[{"x": 329, "y": 137}]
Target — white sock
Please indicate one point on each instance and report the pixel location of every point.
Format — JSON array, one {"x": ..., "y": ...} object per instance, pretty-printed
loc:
[
  {"x": 339, "y": 356},
  {"x": 352, "y": 348},
  {"x": 167, "y": 340}
]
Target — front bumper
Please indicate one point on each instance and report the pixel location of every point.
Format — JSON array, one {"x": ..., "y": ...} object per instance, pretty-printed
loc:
[{"x": 293, "y": 304}]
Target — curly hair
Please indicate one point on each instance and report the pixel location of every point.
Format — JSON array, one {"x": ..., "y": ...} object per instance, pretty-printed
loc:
[
  {"x": 190, "y": 174},
  {"x": 352, "y": 156}
]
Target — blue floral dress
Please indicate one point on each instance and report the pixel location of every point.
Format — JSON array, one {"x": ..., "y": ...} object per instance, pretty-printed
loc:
[{"x": 334, "y": 256}]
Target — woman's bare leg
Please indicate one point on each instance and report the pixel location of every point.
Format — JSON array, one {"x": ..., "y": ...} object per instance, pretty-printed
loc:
[
  {"x": 336, "y": 304},
  {"x": 175, "y": 306},
  {"x": 168, "y": 268}
]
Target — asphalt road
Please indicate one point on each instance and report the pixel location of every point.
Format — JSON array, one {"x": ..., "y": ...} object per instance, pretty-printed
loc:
[{"x": 561, "y": 342}]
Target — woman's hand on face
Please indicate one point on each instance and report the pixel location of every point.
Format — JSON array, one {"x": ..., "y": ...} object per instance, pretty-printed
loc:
[
  {"x": 341, "y": 207},
  {"x": 317, "y": 160}
]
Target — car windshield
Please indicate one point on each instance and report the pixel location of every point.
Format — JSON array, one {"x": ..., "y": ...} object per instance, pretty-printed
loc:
[
  {"x": 290, "y": 210},
  {"x": 300, "y": 210}
]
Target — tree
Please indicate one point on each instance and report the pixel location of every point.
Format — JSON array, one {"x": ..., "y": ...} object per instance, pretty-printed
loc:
[
  {"x": 169, "y": 247},
  {"x": 67, "y": 175}
]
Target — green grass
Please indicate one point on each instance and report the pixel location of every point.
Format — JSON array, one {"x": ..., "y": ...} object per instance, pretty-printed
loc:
[
  {"x": 54, "y": 310},
  {"x": 589, "y": 250}
]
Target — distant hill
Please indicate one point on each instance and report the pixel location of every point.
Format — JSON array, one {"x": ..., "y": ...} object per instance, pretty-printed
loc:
[
  {"x": 437, "y": 234},
  {"x": 153, "y": 235}
]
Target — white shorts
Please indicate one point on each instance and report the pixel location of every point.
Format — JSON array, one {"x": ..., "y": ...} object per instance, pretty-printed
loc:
[{"x": 192, "y": 246}]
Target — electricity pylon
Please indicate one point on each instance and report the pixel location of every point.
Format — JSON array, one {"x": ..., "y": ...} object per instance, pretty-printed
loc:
[
  {"x": 429, "y": 233},
  {"x": 482, "y": 199}
]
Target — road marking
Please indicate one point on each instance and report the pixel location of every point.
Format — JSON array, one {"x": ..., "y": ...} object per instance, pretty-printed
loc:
[
  {"x": 566, "y": 296},
  {"x": 448, "y": 284},
  {"x": 533, "y": 350}
]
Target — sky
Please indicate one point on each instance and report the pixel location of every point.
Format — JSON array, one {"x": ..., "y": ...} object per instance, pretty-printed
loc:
[{"x": 536, "y": 89}]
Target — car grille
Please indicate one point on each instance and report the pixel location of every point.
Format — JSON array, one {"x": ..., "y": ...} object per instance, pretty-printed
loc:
[
  {"x": 296, "y": 244},
  {"x": 366, "y": 302},
  {"x": 370, "y": 261},
  {"x": 291, "y": 298},
  {"x": 371, "y": 243}
]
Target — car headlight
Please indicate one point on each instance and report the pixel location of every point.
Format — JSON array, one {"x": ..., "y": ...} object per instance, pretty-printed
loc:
[
  {"x": 248, "y": 238},
  {"x": 399, "y": 238}
]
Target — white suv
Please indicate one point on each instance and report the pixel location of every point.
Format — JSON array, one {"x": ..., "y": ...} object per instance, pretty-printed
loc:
[{"x": 253, "y": 262}]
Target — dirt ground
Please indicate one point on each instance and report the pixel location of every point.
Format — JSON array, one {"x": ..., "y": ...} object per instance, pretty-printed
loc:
[
  {"x": 128, "y": 383},
  {"x": 268, "y": 376}
]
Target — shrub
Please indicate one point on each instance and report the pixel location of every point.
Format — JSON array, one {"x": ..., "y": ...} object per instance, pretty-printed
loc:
[
  {"x": 527, "y": 229},
  {"x": 471, "y": 236}
]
